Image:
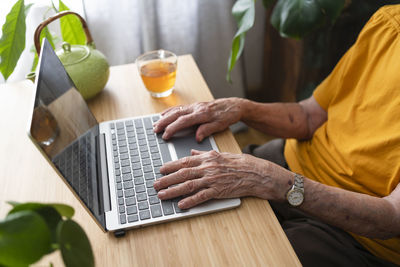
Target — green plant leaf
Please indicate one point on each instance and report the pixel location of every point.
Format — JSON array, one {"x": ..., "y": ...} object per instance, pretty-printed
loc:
[
  {"x": 24, "y": 238},
  {"x": 12, "y": 42},
  {"x": 32, "y": 206},
  {"x": 45, "y": 33},
  {"x": 13, "y": 203},
  {"x": 296, "y": 18},
  {"x": 52, "y": 218},
  {"x": 48, "y": 213},
  {"x": 63, "y": 210},
  {"x": 74, "y": 245},
  {"x": 244, "y": 13},
  {"x": 71, "y": 27},
  {"x": 268, "y": 3}
]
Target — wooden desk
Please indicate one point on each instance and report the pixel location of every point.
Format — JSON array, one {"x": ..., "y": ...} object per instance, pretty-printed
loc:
[{"x": 247, "y": 236}]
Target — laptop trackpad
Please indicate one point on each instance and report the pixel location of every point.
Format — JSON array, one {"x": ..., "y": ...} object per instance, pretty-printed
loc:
[{"x": 183, "y": 145}]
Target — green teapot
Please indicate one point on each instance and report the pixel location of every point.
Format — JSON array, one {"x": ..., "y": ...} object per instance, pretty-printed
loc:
[{"x": 87, "y": 66}]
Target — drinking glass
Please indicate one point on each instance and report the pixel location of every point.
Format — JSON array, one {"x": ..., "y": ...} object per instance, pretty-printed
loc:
[{"x": 158, "y": 71}]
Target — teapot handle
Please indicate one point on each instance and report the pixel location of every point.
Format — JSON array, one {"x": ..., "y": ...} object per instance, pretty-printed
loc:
[{"x": 40, "y": 27}]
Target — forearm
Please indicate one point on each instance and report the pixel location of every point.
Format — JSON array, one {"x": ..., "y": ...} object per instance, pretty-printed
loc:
[
  {"x": 361, "y": 214},
  {"x": 284, "y": 120},
  {"x": 354, "y": 212}
]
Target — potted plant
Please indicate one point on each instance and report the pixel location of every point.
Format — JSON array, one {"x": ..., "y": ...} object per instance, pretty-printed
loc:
[{"x": 32, "y": 230}]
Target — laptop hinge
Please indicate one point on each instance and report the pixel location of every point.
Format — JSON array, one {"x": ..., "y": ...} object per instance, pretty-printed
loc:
[{"x": 103, "y": 184}]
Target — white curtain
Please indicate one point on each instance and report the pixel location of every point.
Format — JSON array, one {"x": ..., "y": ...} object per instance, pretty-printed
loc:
[{"x": 124, "y": 29}]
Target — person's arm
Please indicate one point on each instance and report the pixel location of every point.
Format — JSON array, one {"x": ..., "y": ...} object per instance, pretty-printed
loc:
[
  {"x": 208, "y": 175},
  {"x": 286, "y": 120},
  {"x": 361, "y": 214}
]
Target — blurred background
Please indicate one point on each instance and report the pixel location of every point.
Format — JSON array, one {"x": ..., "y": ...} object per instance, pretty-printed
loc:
[{"x": 124, "y": 29}]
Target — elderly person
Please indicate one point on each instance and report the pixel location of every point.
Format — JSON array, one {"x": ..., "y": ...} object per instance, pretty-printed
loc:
[{"x": 338, "y": 199}]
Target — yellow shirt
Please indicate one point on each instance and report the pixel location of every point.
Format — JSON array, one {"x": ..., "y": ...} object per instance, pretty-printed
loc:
[{"x": 358, "y": 147}]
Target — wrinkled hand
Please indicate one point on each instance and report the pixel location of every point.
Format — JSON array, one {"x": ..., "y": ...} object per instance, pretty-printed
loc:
[
  {"x": 213, "y": 116},
  {"x": 209, "y": 175}
]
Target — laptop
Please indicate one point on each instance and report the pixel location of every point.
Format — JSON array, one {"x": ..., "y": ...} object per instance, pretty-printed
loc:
[{"x": 109, "y": 166}]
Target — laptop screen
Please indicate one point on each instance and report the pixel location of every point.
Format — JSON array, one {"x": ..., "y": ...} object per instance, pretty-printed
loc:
[{"x": 65, "y": 129}]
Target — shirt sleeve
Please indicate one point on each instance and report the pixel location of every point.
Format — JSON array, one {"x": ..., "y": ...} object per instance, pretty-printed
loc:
[
  {"x": 326, "y": 90},
  {"x": 352, "y": 63}
]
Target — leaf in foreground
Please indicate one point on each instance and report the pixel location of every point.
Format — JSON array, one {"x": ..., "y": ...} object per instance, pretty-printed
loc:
[
  {"x": 13, "y": 203},
  {"x": 24, "y": 238},
  {"x": 48, "y": 213},
  {"x": 74, "y": 245},
  {"x": 64, "y": 210},
  {"x": 51, "y": 213}
]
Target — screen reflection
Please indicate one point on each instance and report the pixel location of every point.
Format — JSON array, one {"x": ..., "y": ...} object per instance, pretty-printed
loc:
[{"x": 65, "y": 129}]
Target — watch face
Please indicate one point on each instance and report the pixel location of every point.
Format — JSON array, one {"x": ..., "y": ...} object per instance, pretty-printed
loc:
[{"x": 295, "y": 197}]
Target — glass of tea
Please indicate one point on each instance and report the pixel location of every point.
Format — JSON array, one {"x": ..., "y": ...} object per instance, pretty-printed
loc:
[{"x": 158, "y": 71}]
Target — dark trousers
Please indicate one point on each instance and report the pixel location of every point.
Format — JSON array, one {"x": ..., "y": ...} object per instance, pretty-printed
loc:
[{"x": 315, "y": 243}]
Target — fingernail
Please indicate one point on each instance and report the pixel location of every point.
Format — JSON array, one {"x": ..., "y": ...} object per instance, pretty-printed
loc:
[
  {"x": 181, "y": 204},
  {"x": 161, "y": 193},
  {"x": 156, "y": 184}
]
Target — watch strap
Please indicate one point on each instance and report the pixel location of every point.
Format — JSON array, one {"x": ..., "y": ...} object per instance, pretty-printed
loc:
[{"x": 298, "y": 181}]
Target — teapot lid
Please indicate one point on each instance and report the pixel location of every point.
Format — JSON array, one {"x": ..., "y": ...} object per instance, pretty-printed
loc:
[{"x": 72, "y": 54}]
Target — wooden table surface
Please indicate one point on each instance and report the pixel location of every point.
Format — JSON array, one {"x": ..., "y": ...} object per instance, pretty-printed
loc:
[{"x": 249, "y": 235}]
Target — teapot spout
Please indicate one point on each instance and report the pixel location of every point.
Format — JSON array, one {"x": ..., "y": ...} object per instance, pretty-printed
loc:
[{"x": 31, "y": 76}]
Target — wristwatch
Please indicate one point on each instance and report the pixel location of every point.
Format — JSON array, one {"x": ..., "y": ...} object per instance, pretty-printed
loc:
[{"x": 295, "y": 196}]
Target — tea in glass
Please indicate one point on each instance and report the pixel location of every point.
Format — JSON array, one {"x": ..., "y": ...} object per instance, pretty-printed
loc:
[{"x": 158, "y": 72}]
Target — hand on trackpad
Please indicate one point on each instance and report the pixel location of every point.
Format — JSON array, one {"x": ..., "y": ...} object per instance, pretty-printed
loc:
[
  {"x": 186, "y": 132},
  {"x": 184, "y": 141}
]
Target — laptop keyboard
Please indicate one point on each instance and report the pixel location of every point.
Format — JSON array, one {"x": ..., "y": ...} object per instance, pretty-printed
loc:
[
  {"x": 74, "y": 163},
  {"x": 138, "y": 154}
]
